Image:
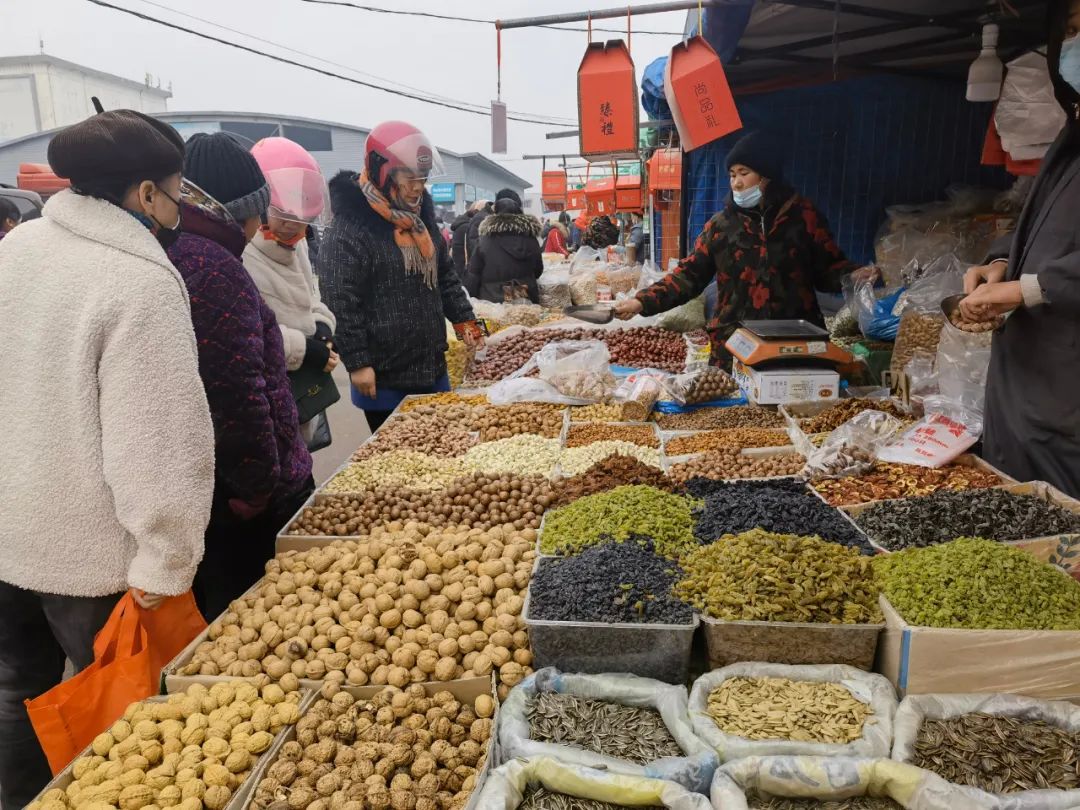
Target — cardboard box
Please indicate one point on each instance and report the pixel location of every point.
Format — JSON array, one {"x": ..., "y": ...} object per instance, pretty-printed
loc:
[
  {"x": 240, "y": 799},
  {"x": 776, "y": 386},
  {"x": 922, "y": 660}
]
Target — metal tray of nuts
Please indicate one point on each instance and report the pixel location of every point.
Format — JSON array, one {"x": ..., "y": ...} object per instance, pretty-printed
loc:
[
  {"x": 729, "y": 642},
  {"x": 657, "y": 651}
]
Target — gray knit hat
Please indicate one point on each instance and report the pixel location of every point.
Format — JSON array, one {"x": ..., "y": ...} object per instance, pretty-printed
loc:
[{"x": 227, "y": 171}]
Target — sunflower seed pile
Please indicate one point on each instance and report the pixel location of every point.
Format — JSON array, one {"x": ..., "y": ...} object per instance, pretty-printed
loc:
[
  {"x": 854, "y": 803},
  {"x": 540, "y": 798},
  {"x": 624, "y": 732},
  {"x": 999, "y": 754}
]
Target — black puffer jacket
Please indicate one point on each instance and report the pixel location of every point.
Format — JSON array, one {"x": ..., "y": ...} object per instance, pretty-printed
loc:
[
  {"x": 601, "y": 233},
  {"x": 459, "y": 229},
  {"x": 472, "y": 239},
  {"x": 386, "y": 318},
  {"x": 508, "y": 252}
]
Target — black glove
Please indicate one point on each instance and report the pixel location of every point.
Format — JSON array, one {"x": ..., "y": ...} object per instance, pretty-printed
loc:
[
  {"x": 323, "y": 333},
  {"x": 317, "y": 354}
]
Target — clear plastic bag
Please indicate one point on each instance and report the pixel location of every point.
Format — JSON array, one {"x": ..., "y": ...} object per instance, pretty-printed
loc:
[
  {"x": 693, "y": 771},
  {"x": 944, "y": 433},
  {"x": 921, "y": 318},
  {"x": 584, "y": 288},
  {"x": 921, "y": 372},
  {"x": 850, "y": 449},
  {"x": 709, "y": 384},
  {"x": 874, "y": 690},
  {"x": 580, "y": 369},
  {"x": 639, "y": 392},
  {"x": 554, "y": 288},
  {"x": 874, "y": 309},
  {"x": 962, "y": 362}
]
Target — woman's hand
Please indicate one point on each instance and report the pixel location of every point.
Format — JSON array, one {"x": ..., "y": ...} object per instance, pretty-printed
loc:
[
  {"x": 628, "y": 308},
  {"x": 363, "y": 380},
  {"x": 147, "y": 601},
  {"x": 992, "y": 273},
  {"x": 870, "y": 274},
  {"x": 332, "y": 363},
  {"x": 992, "y": 300}
]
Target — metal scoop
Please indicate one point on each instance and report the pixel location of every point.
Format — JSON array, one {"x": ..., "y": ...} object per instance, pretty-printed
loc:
[{"x": 591, "y": 314}]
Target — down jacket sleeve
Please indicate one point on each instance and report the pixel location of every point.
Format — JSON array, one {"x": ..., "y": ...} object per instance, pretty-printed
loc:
[
  {"x": 455, "y": 302},
  {"x": 689, "y": 279},
  {"x": 830, "y": 263},
  {"x": 343, "y": 272},
  {"x": 141, "y": 427}
]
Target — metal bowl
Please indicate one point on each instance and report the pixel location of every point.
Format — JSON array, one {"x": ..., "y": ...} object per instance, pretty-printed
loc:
[{"x": 951, "y": 304}]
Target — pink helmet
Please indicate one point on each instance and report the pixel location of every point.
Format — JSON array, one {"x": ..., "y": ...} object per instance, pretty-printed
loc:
[
  {"x": 398, "y": 145},
  {"x": 297, "y": 188}
]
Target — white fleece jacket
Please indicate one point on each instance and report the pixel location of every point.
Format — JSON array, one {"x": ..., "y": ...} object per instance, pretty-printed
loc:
[
  {"x": 107, "y": 466},
  {"x": 289, "y": 288}
]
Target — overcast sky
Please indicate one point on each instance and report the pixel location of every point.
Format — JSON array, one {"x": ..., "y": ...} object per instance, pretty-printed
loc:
[{"x": 451, "y": 59}]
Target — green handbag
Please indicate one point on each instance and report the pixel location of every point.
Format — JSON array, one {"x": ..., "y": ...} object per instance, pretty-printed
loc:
[{"x": 314, "y": 391}]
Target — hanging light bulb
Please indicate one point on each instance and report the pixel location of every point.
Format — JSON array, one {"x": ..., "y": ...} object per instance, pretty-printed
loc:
[{"x": 985, "y": 73}]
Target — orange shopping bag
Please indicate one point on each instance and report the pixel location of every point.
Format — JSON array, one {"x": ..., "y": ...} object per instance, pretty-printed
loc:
[{"x": 129, "y": 653}]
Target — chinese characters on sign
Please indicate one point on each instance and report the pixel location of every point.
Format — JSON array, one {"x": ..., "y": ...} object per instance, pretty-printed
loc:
[
  {"x": 934, "y": 441},
  {"x": 705, "y": 104},
  {"x": 607, "y": 126}
]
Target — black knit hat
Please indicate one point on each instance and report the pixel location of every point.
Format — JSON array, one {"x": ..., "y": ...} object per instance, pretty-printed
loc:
[
  {"x": 116, "y": 146},
  {"x": 508, "y": 194},
  {"x": 758, "y": 152},
  {"x": 226, "y": 171}
]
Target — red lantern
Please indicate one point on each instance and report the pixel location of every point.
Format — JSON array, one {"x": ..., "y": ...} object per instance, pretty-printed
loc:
[
  {"x": 608, "y": 115},
  {"x": 699, "y": 95}
]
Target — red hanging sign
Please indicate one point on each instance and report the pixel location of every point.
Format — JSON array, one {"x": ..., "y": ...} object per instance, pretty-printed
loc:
[
  {"x": 600, "y": 196},
  {"x": 553, "y": 189},
  {"x": 575, "y": 199},
  {"x": 608, "y": 115},
  {"x": 628, "y": 194},
  {"x": 665, "y": 169},
  {"x": 699, "y": 95}
]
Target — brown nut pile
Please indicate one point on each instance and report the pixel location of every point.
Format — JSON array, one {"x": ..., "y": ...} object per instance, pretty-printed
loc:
[
  {"x": 596, "y": 413},
  {"x": 406, "y": 604},
  {"x": 503, "y": 421},
  {"x": 711, "y": 384},
  {"x": 736, "y": 438},
  {"x": 917, "y": 333},
  {"x": 401, "y": 750},
  {"x": 432, "y": 434},
  {"x": 611, "y": 472},
  {"x": 721, "y": 418},
  {"x": 477, "y": 500},
  {"x": 891, "y": 481},
  {"x": 834, "y": 416},
  {"x": 976, "y": 327},
  {"x": 730, "y": 463},
  {"x": 581, "y": 435},
  {"x": 442, "y": 399},
  {"x": 194, "y": 749}
]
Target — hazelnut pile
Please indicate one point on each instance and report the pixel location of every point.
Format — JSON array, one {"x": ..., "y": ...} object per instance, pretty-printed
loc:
[
  {"x": 709, "y": 385},
  {"x": 581, "y": 435},
  {"x": 401, "y": 750},
  {"x": 504, "y": 421},
  {"x": 720, "y": 418},
  {"x": 477, "y": 500},
  {"x": 731, "y": 463},
  {"x": 736, "y": 438},
  {"x": 408, "y": 604},
  {"x": 432, "y": 433},
  {"x": 192, "y": 750}
]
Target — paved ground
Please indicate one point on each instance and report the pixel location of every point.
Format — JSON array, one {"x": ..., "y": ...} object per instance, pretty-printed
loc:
[{"x": 348, "y": 427}]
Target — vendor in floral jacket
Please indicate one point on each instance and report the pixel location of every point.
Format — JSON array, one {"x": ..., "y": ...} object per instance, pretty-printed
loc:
[
  {"x": 386, "y": 274},
  {"x": 768, "y": 250}
]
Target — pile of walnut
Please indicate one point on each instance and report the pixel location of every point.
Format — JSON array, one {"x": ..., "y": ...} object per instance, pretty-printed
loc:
[
  {"x": 402, "y": 750},
  {"x": 193, "y": 750},
  {"x": 406, "y": 604}
]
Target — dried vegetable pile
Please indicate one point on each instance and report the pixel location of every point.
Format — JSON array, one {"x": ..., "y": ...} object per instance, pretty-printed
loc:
[
  {"x": 889, "y": 481},
  {"x": 976, "y": 583},
  {"x": 991, "y": 513},
  {"x": 759, "y": 576},
  {"x": 637, "y": 735},
  {"x": 999, "y": 754},
  {"x": 611, "y": 582},
  {"x": 403, "y": 750},
  {"x": 538, "y": 797},
  {"x": 783, "y": 709}
]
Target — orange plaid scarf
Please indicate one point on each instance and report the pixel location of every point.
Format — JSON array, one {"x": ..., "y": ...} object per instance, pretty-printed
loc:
[{"x": 410, "y": 233}]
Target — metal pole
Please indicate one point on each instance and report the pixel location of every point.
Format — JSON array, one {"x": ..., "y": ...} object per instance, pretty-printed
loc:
[{"x": 609, "y": 13}]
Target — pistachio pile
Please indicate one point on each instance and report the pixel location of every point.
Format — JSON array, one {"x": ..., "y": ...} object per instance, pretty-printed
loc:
[
  {"x": 522, "y": 454},
  {"x": 581, "y": 435},
  {"x": 978, "y": 584},
  {"x": 401, "y": 750},
  {"x": 399, "y": 468},
  {"x": 618, "y": 514},
  {"x": 596, "y": 413},
  {"x": 890, "y": 481},
  {"x": 721, "y": 418},
  {"x": 735, "y": 438},
  {"x": 192, "y": 750},
  {"x": 759, "y": 576},
  {"x": 433, "y": 434},
  {"x": 408, "y": 604},
  {"x": 783, "y": 709}
]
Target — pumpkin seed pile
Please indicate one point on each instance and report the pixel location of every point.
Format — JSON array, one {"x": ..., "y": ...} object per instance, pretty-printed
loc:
[
  {"x": 623, "y": 732},
  {"x": 760, "y": 576},
  {"x": 999, "y": 754},
  {"x": 540, "y": 798},
  {"x": 783, "y": 709},
  {"x": 854, "y": 803}
]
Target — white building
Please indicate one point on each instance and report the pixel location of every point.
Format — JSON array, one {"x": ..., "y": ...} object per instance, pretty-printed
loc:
[{"x": 40, "y": 93}]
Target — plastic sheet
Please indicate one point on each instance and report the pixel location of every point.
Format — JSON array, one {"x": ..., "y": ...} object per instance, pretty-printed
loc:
[
  {"x": 505, "y": 787},
  {"x": 694, "y": 771},
  {"x": 833, "y": 778},
  {"x": 915, "y": 709},
  {"x": 963, "y": 359},
  {"x": 942, "y": 435},
  {"x": 867, "y": 687}
]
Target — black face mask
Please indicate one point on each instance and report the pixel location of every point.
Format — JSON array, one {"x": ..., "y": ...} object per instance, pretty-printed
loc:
[{"x": 167, "y": 236}]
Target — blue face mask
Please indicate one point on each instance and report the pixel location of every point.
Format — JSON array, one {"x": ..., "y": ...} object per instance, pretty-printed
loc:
[
  {"x": 1069, "y": 63},
  {"x": 748, "y": 198}
]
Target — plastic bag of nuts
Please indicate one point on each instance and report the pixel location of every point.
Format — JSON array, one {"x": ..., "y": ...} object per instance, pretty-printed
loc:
[
  {"x": 639, "y": 392},
  {"x": 708, "y": 385}
]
